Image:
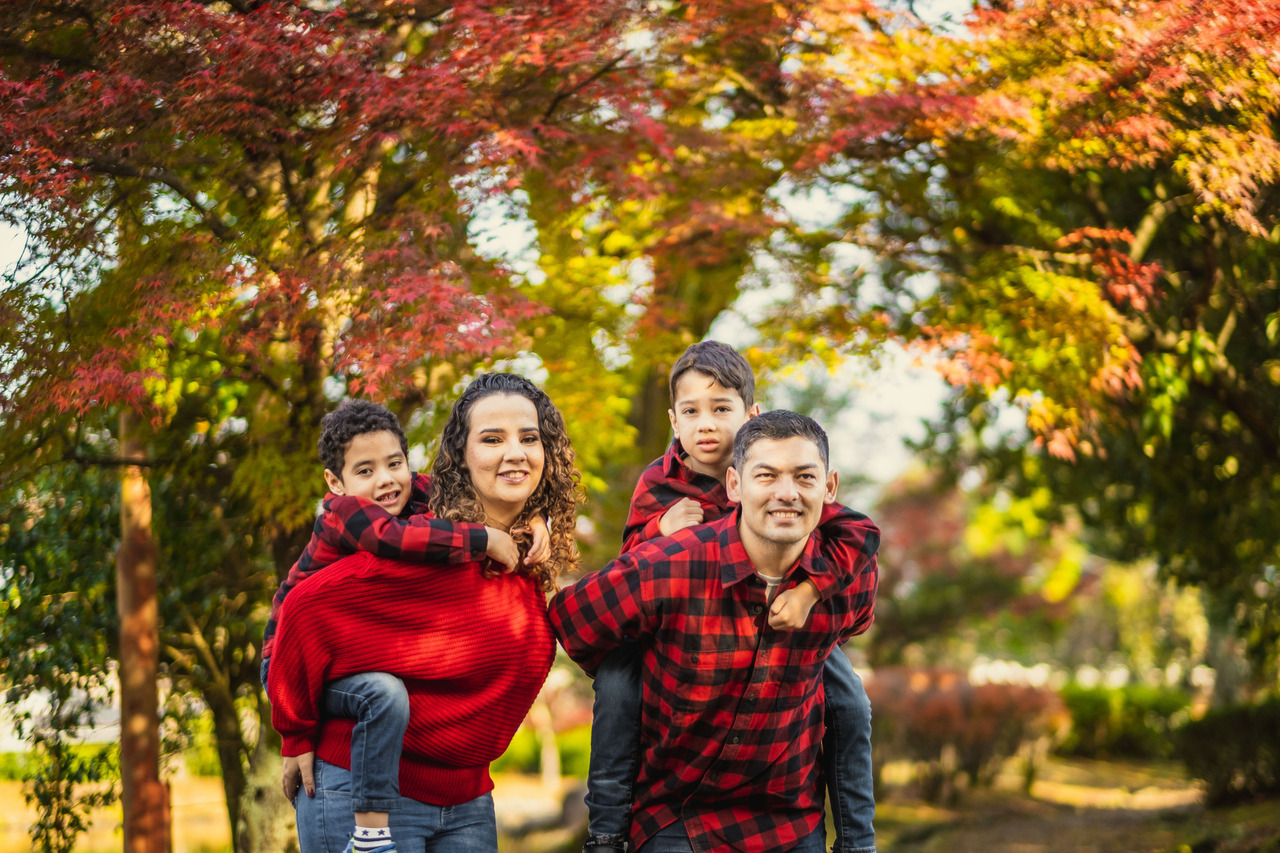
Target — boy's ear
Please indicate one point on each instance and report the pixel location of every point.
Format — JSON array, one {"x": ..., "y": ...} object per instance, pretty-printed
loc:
[
  {"x": 671, "y": 416},
  {"x": 753, "y": 410},
  {"x": 333, "y": 481},
  {"x": 732, "y": 484}
]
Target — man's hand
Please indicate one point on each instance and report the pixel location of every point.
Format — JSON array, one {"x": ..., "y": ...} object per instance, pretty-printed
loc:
[
  {"x": 540, "y": 547},
  {"x": 790, "y": 608},
  {"x": 502, "y": 548},
  {"x": 298, "y": 770},
  {"x": 685, "y": 513}
]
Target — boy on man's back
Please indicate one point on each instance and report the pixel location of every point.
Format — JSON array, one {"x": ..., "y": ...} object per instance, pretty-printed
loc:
[{"x": 712, "y": 395}]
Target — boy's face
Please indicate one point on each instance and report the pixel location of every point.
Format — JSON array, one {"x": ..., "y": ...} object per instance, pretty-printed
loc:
[
  {"x": 706, "y": 416},
  {"x": 374, "y": 467}
]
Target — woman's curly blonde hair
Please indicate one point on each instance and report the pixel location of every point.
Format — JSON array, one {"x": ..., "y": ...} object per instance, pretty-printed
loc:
[{"x": 556, "y": 497}]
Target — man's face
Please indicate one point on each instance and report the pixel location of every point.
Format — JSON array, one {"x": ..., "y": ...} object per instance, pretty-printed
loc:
[
  {"x": 706, "y": 416},
  {"x": 781, "y": 488}
]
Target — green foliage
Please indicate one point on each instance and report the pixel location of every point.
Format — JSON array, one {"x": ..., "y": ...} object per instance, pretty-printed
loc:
[
  {"x": 1134, "y": 721},
  {"x": 66, "y": 786},
  {"x": 524, "y": 755},
  {"x": 575, "y": 751},
  {"x": 521, "y": 756},
  {"x": 16, "y": 766},
  {"x": 199, "y": 747},
  {"x": 57, "y": 536},
  {"x": 1236, "y": 751}
]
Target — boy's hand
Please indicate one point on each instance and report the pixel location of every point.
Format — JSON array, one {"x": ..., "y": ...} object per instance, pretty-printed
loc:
[
  {"x": 540, "y": 547},
  {"x": 790, "y": 608},
  {"x": 298, "y": 771},
  {"x": 502, "y": 548},
  {"x": 684, "y": 513}
]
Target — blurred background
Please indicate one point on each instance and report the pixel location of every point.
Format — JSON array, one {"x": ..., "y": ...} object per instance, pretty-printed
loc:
[{"x": 1020, "y": 258}]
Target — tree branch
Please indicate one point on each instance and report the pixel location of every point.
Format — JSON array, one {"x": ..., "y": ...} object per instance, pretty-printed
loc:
[{"x": 173, "y": 182}]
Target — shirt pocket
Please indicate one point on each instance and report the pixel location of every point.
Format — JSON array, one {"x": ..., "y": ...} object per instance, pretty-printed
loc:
[
  {"x": 805, "y": 654},
  {"x": 700, "y": 678}
]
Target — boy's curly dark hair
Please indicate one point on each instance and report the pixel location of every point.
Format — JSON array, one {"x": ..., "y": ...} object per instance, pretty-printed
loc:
[
  {"x": 556, "y": 497},
  {"x": 351, "y": 418}
]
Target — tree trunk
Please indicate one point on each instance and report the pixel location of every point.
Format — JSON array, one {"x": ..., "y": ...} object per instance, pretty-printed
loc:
[{"x": 145, "y": 799}]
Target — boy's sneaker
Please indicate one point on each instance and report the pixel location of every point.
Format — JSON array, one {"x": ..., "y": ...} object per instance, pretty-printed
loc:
[
  {"x": 605, "y": 844},
  {"x": 389, "y": 847}
]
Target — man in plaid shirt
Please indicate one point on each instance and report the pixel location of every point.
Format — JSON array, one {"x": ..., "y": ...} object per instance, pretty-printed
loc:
[{"x": 732, "y": 710}]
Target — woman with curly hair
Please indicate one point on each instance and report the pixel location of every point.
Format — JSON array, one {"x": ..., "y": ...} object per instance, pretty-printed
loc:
[{"x": 471, "y": 644}]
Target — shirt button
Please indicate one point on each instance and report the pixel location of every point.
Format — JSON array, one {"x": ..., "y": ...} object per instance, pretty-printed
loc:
[
  {"x": 757, "y": 609},
  {"x": 695, "y": 658},
  {"x": 735, "y": 739}
]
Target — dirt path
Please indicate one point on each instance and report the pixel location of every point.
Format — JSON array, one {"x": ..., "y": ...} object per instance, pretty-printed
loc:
[{"x": 1082, "y": 807}]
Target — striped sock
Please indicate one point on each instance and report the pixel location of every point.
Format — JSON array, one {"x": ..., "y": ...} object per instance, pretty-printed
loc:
[{"x": 368, "y": 839}]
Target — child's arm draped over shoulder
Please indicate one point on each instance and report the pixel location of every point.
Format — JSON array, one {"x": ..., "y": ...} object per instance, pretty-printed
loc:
[
  {"x": 848, "y": 542},
  {"x": 358, "y": 524},
  {"x": 596, "y": 614}
]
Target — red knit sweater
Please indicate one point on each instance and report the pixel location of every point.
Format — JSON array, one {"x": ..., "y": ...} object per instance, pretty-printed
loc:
[{"x": 473, "y": 651}]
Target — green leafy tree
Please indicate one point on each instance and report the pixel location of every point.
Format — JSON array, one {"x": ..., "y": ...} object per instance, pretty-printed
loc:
[{"x": 1072, "y": 205}]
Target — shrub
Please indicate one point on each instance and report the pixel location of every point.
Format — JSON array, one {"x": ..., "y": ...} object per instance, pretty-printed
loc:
[
  {"x": 16, "y": 766},
  {"x": 524, "y": 754},
  {"x": 575, "y": 751},
  {"x": 1236, "y": 751},
  {"x": 1126, "y": 722},
  {"x": 957, "y": 732}
]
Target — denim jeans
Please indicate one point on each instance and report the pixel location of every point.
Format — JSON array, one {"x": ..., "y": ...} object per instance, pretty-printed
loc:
[
  {"x": 846, "y": 756},
  {"x": 379, "y": 704},
  {"x": 674, "y": 839},
  {"x": 615, "y": 742},
  {"x": 325, "y": 822},
  {"x": 846, "y": 749}
]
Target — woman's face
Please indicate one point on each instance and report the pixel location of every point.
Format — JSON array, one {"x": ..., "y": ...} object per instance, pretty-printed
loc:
[{"x": 504, "y": 454}]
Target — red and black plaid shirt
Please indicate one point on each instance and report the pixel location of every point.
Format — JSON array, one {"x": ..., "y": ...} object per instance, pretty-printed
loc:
[
  {"x": 662, "y": 485},
  {"x": 732, "y": 711},
  {"x": 349, "y": 524}
]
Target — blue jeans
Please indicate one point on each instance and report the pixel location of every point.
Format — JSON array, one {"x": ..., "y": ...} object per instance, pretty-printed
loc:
[
  {"x": 325, "y": 822},
  {"x": 674, "y": 839},
  {"x": 379, "y": 704},
  {"x": 846, "y": 756},
  {"x": 615, "y": 742},
  {"x": 846, "y": 749}
]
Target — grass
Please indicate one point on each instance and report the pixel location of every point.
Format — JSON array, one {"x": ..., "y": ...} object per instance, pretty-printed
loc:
[{"x": 1074, "y": 806}]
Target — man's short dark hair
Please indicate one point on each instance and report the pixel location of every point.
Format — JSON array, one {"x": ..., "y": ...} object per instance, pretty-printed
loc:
[
  {"x": 352, "y": 418},
  {"x": 722, "y": 363},
  {"x": 779, "y": 424}
]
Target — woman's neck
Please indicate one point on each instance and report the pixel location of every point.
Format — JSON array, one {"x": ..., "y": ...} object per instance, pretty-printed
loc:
[{"x": 503, "y": 521}]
